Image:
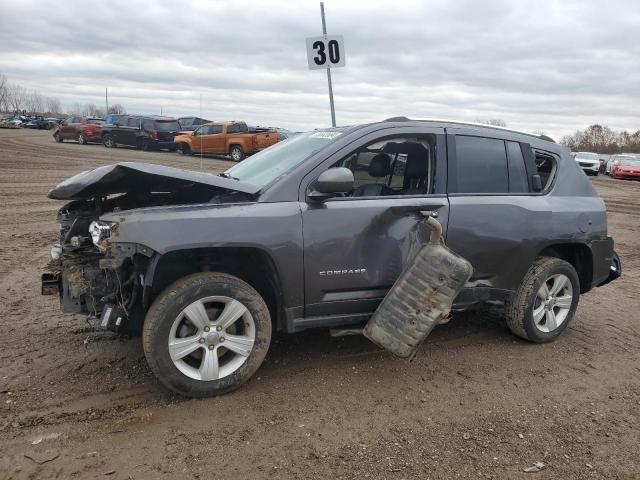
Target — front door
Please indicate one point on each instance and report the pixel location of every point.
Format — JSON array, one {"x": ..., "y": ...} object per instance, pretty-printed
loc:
[
  {"x": 213, "y": 139},
  {"x": 356, "y": 246}
]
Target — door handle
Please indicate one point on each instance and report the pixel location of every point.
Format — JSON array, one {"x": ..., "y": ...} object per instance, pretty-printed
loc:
[{"x": 429, "y": 213}]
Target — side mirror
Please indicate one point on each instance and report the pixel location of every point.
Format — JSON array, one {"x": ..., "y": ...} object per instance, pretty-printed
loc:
[
  {"x": 536, "y": 183},
  {"x": 331, "y": 182}
]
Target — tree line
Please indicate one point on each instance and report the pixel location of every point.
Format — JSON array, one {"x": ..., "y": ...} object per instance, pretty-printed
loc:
[
  {"x": 15, "y": 98},
  {"x": 602, "y": 139}
]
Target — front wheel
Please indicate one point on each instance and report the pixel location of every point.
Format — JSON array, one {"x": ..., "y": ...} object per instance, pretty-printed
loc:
[
  {"x": 545, "y": 302},
  {"x": 107, "y": 141},
  {"x": 206, "y": 334},
  {"x": 58, "y": 138},
  {"x": 82, "y": 140},
  {"x": 236, "y": 152}
]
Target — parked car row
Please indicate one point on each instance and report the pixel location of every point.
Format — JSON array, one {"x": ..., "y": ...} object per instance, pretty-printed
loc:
[
  {"x": 188, "y": 135},
  {"x": 29, "y": 121},
  {"x": 617, "y": 166}
]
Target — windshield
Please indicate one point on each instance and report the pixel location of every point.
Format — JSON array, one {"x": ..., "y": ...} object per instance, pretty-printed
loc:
[
  {"x": 270, "y": 164},
  {"x": 631, "y": 162},
  {"x": 588, "y": 156}
]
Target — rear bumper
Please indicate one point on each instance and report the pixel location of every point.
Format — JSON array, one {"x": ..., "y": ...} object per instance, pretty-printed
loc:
[
  {"x": 161, "y": 144},
  {"x": 606, "y": 263}
]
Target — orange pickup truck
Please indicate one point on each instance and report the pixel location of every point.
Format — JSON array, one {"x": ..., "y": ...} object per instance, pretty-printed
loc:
[{"x": 226, "y": 138}]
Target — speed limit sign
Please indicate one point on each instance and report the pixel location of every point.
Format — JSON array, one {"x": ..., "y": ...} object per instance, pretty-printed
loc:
[{"x": 325, "y": 52}]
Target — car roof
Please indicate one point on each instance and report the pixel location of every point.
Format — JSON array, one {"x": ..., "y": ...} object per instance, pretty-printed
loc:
[{"x": 457, "y": 123}]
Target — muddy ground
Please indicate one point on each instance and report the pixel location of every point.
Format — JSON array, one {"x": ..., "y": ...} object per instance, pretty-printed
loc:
[{"x": 476, "y": 402}]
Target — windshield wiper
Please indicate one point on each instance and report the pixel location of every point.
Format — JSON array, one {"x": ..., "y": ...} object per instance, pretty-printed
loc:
[{"x": 226, "y": 175}]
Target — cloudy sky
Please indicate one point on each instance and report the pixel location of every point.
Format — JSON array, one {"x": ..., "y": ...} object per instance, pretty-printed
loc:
[{"x": 545, "y": 65}]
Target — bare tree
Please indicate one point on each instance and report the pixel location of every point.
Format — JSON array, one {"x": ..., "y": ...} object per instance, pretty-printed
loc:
[
  {"x": 34, "y": 102},
  {"x": 4, "y": 103},
  {"x": 16, "y": 96},
  {"x": 496, "y": 122},
  {"x": 602, "y": 139},
  {"x": 53, "y": 105},
  {"x": 117, "y": 109}
]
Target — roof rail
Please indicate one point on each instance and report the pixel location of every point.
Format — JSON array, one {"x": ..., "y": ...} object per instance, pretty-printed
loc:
[{"x": 474, "y": 124}]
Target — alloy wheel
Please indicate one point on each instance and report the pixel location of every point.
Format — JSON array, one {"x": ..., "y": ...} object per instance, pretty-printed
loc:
[
  {"x": 212, "y": 338},
  {"x": 552, "y": 303}
]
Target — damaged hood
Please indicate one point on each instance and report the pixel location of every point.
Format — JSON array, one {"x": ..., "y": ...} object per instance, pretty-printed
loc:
[{"x": 127, "y": 177}]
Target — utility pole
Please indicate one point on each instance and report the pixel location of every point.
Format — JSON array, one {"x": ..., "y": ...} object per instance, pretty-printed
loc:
[
  {"x": 106, "y": 101},
  {"x": 324, "y": 33}
]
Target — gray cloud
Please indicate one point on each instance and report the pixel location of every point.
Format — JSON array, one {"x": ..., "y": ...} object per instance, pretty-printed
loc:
[{"x": 555, "y": 66}]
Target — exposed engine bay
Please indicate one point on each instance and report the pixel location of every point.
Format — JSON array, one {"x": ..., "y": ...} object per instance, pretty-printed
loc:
[{"x": 106, "y": 279}]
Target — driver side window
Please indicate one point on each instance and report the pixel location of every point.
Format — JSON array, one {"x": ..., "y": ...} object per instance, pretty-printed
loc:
[{"x": 394, "y": 166}]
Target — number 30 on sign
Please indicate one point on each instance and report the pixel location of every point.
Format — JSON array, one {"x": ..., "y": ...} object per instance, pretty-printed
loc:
[{"x": 325, "y": 52}]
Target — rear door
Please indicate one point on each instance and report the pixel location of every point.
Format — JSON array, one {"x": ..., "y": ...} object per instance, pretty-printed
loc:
[
  {"x": 129, "y": 132},
  {"x": 355, "y": 247},
  {"x": 69, "y": 129},
  {"x": 495, "y": 220}
]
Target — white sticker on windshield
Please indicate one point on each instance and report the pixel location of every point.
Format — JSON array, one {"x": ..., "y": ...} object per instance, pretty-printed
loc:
[{"x": 326, "y": 134}]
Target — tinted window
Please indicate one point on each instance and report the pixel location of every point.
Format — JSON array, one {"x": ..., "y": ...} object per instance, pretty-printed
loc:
[
  {"x": 237, "y": 128},
  {"x": 517, "y": 172},
  {"x": 133, "y": 122},
  {"x": 167, "y": 126},
  {"x": 480, "y": 166},
  {"x": 215, "y": 129}
]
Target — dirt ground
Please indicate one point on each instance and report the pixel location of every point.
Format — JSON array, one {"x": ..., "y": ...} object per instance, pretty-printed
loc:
[{"x": 475, "y": 403}]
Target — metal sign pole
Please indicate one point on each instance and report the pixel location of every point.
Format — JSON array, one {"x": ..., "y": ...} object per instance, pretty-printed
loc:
[{"x": 324, "y": 32}]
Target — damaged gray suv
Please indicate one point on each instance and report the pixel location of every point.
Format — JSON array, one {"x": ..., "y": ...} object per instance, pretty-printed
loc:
[{"x": 313, "y": 232}]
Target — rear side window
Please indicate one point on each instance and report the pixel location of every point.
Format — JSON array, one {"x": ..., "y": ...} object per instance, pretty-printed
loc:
[
  {"x": 517, "y": 172},
  {"x": 215, "y": 129},
  {"x": 167, "y": 126},
  {"x": 480, "y": 166},
  {"x": 133, "y": 122},
  {"x": 237, "y": 128}
]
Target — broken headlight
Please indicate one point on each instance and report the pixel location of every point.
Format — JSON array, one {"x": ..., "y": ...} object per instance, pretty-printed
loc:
[{"x": 99, "y": 231}]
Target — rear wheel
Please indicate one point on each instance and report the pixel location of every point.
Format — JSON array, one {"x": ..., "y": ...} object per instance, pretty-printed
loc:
[
  {"x": 144, "y": 145},
  {"x": 236, "y": 152},
  {"x": 107, "y": 141},
  {"x": 545, "y": 302},
  {"x": 206, "y": 334},
  {"x": 58, "y": 138},
  {"x": 82, "y": 140},
  {"x": 184, "y": 149}
]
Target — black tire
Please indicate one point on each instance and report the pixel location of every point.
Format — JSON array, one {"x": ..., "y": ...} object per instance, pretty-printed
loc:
[
  {"x": 82, "y": 140},
  {"x": 144, "y": 144},
  {"x": 107, "y": 141},
  {"x": 58, "y": 137},
  {"x": 236, "y": 153},
  {"x": 184, "y": 149},
  {"x": 167, "y": 307},
  {"x": 519, "y": 309}
]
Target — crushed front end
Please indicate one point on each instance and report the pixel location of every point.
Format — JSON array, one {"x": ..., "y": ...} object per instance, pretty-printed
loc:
[{"x": 93, "y": 275}]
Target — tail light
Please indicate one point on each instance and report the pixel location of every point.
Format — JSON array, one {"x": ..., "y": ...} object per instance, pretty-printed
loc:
[
  {"x": 154, "y": 134},
  {"x": 254, "y": 141}
]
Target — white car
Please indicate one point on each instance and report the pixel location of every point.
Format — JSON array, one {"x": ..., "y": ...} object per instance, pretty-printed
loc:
[{"x": 589, "y": 162}]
